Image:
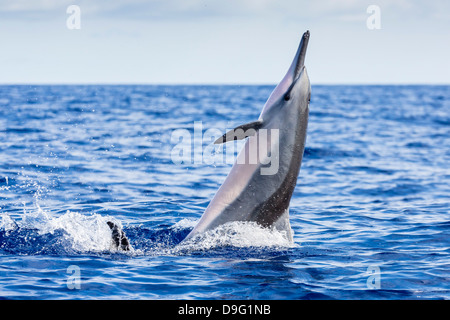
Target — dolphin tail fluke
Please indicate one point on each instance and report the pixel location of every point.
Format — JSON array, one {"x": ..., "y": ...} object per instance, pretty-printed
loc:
[{"x": 119, "y": 237}]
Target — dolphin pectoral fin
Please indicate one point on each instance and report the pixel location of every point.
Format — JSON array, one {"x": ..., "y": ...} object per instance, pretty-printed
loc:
[{"x": 240, "y": 132}]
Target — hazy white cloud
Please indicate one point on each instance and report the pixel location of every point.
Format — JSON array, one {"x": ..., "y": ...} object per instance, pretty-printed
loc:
[
  {"x": 193, "y": 9},
  {"x": 32, "y": 5},
  {"x": 240, "y": 41}
]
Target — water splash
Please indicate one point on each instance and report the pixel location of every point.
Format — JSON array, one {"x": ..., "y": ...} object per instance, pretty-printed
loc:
[
  {"x": 238, "y": 234},
  {"x": 41, "y": 232},
  {"x": 74, "y": 233},
  {"x": 8, "y": 224}
]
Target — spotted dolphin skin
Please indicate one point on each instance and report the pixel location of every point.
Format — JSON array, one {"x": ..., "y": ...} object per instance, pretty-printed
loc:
[{"x": 260, "y": 184}]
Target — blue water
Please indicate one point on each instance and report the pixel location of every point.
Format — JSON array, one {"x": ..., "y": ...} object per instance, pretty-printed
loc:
[{"x": 370, "y": 213}]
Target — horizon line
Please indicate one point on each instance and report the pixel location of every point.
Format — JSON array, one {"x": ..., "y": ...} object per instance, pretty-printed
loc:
[{"x": 213, "y": 84}]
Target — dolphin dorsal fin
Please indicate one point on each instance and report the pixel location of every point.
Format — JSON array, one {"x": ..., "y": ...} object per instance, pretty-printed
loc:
[{"x": 240, "y": 132}]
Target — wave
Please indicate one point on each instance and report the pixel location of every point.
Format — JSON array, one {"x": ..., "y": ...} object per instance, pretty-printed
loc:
[
  {"x": 73, "y": 233},
  {"x": 40, "y": 233},
  {"x": 238, "y": 234}
]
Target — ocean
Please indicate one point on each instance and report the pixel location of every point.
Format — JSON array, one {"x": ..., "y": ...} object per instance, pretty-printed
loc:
[{"x": 370, "y": 213}]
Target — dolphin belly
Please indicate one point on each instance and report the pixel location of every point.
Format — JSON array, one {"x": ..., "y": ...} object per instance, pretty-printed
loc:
[{"x": 263, "y": 199}]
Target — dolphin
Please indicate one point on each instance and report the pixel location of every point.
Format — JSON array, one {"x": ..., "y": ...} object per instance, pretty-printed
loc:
[{"x": 259, "y": 191}]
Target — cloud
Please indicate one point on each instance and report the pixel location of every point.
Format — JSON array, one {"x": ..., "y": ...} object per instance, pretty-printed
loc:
[
  {"x": 195, "y": 9},
  {"x": 181, "y": 9},
  {"x": 149, "y": 40}
]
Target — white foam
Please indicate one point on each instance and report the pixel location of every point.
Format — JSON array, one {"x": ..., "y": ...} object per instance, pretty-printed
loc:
[
  {"x": 7, "y": 224},
  {"x": 85, "y": 233},
  {"x": 185, "y": 224},
  {"x": 238, "y": 234},
  {"x": 91, "y": 233}
]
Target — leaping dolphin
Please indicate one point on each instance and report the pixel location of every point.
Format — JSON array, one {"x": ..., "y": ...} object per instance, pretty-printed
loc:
[{"x": 252, "y": 191}]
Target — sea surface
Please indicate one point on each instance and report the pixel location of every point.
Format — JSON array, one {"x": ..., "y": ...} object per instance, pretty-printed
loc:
[{"x": 370, "y": 213}]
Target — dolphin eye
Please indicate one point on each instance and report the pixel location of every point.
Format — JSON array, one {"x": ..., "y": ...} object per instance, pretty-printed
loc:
[{"x": 287, "y": 97}]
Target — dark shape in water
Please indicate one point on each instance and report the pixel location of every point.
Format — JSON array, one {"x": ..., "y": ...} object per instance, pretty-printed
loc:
[{"x": 119, "y": 237}]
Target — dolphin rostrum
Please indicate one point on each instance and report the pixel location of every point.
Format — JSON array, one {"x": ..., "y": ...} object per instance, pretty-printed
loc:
[{"x": 261, "y": 182}]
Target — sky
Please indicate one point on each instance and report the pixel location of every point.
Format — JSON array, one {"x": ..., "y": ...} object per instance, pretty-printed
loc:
[{"x": 223, "y": 41}]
